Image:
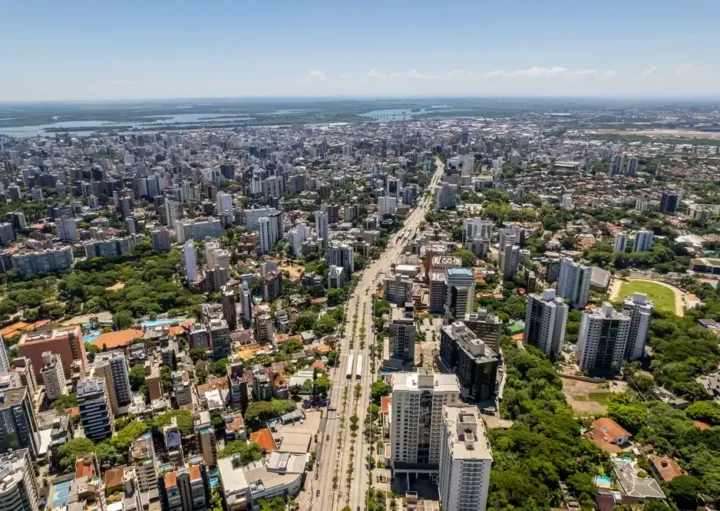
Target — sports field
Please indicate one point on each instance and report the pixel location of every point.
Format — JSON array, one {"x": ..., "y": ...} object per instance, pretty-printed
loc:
[{"x": 663, "y": 296}]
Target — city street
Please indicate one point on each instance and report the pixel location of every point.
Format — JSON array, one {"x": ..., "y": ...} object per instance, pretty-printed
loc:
[{"x": 335, "y": 456}]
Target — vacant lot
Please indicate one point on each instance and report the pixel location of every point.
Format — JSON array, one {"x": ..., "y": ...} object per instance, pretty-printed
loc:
[
  {"x": 578, "y": 395},
  {"x": 664, "y": 295}
]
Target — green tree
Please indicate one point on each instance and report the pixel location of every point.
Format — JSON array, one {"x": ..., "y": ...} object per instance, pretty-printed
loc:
[
  {"x": 248, "y": 451},
  {"x": 122, "y": 440},
  {"x": 122, "y": 320},
  {"x": 684, "y": 491},
  {"x": 469, "y": 259},
  {"x": 274, "y": 504},
  {"x": 137, "y": 376},
  {"x": 706, "y": 411},
  {"x": 72, "y": 450},
  {"x": 378, "y": 390},
  {"x": 325, "y": 325}
]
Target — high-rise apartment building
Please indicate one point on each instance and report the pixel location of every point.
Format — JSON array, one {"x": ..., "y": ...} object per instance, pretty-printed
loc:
[
  {"x": 18, "y": 426},
  {"x": 602, "y": 340},
  {"x": 142, "y": 458},
  {"x": 620, "y": 242},
  {"x": 160, "y": 240},
  {"x": 53, "y": 376},
  {"x": 416, "y": 427},
  {"x": 545, "y": 321},
  {"x": 322, "y": 226},
  {"x": 247, "y": 303},
  {"x": 4, "y": 360},
  {"x": 476, "y": 228},
  {"x": 643, "y": 241},
  {"x": 42, "y": 262},
  {"x": 18, "y": 485},
  {"x": 470, "y": 359},
  {"x": 109, "y": 248},
  {"x": 486, "y": 326},
  {"x": 341, "y": 254},
  {"x": 189, "y": 255},
  {"x": 397, "y": 289},
  {"x": 574, "y": 283},
  {"x": 96, "y": 413},
  {"x": 509, "y": 260},
  {"x": 402, "y": 333},
  {"x": 639, "y": 308},
  {"x": 670, "y": 202},
  {"x": 197, "y": 229},
  {"x": 113, "y": 367},
  {"x": 268, "y": 234},
  {"x": 66, "y": 342},
  {"x": 460, "y": 297},
  {"x": 67, "y": 229},
  {"x": 465, "y": 460},
  {"x": 219, "y": 338}
]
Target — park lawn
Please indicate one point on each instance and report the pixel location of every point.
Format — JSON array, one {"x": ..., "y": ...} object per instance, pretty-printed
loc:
[
  {"x": 601, "y": 397},
  {"x": 663, "y": 297}
]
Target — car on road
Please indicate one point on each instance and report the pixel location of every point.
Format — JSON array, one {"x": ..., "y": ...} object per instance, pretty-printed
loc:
[{"x": 317, "y": 493}]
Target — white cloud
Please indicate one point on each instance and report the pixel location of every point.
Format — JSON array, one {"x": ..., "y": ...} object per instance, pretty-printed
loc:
[
  {"x": 649, "y": 71},
  {"x": 345, "y": 76},
  {"x": 549, "y": 72},
  {"x": 374, "y": 73},
  {"x": 317, "y": 75}
]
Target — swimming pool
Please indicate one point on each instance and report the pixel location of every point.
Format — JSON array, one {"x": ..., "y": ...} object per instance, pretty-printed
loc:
[
  {"x": 91, "y": 336},
  {"x": 158, "y": 322},
  {"x": 603, "y": 481},
  {"x": 60, "y": 494}
]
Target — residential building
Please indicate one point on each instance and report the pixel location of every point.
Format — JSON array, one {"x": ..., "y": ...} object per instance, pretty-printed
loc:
[
  {"x": 219, "y": 338},
  {"x": 247, "y": 303},
  {"x": 160, "y": 240},
  {"x": 189, "y": 255},
  {"x": 183, "y": 489},
  {"x": 486, "y": 326},
  {"x": 322, "y": 226},
  {"x": 53, "y": 376},
  {"x": 113, "y": 367},
  {"x": 237, "y": 384},
  {"x": 18, "y": 486},
  {"x": 602, "y": 340},
  {"x": 96, "y": 412},
  {"x": 207, "y": 445},
  {"x": 402, "y": 333},
  {"x": 509, "y": 260},
  {"x": 643, "y": 241},
  {"x": 545, "y": 321},
  {"x": 336, "y": 277},
  {"x": 397, "y": 288},
  {"x": 574, "y": 283},
  {"x": 67, "y": 229},
  {"x": 460, "y": 297},
  {"x": 476, "y": 228},
  {"x": 416, "y": 430},
  {"x": 66, "y": 342},
  {"x": 109, "y": 248},
  {"x": 470, "y": 359},
  {"x": 197, "y": 229},
  {"x": 182, "y": 388},
  {"x": 341, "y": 254},
  {"x": 269, "y": 234},
  {"x": 670, "y": 201},
  {"x": 142, "y": 458},
  {"x": 620, "y": 242},
  {"x": 4, "y": 360},
  {"x": 639, "y": 308},
  {"x": 7, "y": 233},
  {"x": 41, "y": 262},
  {"x": 438, "y": 291},
  {"x": 465, "y": 460},
  {"x": 444, "y": 196},
  {"x": 227, "y": 300},
  {"x": 18, "y": 426},
  {"x": 386, "y": 206}
]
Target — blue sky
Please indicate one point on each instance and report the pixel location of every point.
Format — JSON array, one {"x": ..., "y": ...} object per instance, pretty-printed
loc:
[{"x": 131, "y": 49}]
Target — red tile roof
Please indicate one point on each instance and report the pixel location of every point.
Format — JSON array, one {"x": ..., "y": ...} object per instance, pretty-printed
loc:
[{"x": 264, "y": 439}]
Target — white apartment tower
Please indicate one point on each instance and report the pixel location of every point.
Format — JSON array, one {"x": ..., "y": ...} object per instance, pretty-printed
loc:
[
  {"x": 4, "y": 360},
  {"x": 545, "y": 321},
  {"x": 190, "y": 261},
  {"x": 574, "y": 283},
  {"x": 465, "y": 460},
  {"x": 269, "y": 234},
  {"x": 602, "y": 340},
  {"x": 476, "y": 228},
  {"x": 53, "y": 376},
  {"x": 639, "y": 308},
  {"x": 416, "y": 427}
]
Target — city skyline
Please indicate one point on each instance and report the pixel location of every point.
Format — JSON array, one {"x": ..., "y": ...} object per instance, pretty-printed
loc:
[{"x": 134, "y": 51}]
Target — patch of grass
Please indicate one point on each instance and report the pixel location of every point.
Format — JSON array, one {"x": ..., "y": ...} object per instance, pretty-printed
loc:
[
  {"x": 663, "y": 297},
  {"x": 600, "y": 397}
]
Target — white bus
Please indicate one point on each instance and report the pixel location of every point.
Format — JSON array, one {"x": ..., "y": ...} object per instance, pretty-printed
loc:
[
  {"x": 349, "y": 372},
  {"x": 359, "y": 367}
]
